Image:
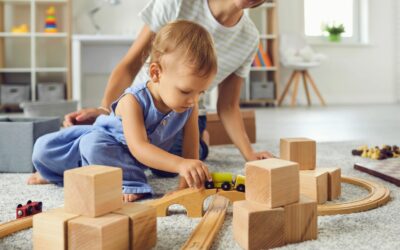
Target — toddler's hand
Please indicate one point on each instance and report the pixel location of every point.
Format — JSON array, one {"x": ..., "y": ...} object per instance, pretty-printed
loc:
[{"x": 194, "y": 172}]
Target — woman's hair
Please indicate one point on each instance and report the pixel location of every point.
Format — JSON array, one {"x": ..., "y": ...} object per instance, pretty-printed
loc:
[{"x": 192, "y": 40}]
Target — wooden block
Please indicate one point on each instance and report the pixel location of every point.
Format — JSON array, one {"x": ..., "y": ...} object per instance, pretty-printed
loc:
[
  {"x": 300, "y": 150},
  {"x": 301, "y": 221},
  {"x": 50, "y": 229},
  {"x": 109, "y": 231},
  {"x": 314, "y": 184},
  {"x": 218, "y": 135},
  {"x": 93, "y": 190},
  {"x": 272, "y": 182},
  {"x": 256, "y": 226},
  {"x": 142, "y": 225},
  {"x": 334, "y": 182}
]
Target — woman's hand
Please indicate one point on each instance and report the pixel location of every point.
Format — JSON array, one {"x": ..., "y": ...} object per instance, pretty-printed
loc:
[
  {"x": 260, "y": 156},
  {"x": 83, "y": 116},
  {"x": 194, "y": 172}
]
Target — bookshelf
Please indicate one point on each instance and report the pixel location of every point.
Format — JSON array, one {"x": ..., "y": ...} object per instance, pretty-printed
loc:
[
  {"x": 34, "y": 56},
  {"x": 261, "y": 86}
]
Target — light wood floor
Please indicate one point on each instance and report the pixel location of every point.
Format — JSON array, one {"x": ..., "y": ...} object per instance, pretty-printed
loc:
[{"x": 372, "y": 124}]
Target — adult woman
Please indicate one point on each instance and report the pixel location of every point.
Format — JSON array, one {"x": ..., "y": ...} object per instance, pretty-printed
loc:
[{"x": 236, "y": 39}]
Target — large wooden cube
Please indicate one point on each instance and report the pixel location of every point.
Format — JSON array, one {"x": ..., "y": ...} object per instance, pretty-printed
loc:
[
  {"x": 272, "y": 182},
  {"x": 256, "y": 226},
  {"x": 109, "y": 231},
  {"x": 314, "y": 184},
  {"x": 301, "y": 221},
  {"x": 93, "y": 190},
  {"x": 143, "y": 222},
  {"x": 334, "y": 182},
  {"x": 50, "y": 230},
  {"x": 300, "y": 150}
]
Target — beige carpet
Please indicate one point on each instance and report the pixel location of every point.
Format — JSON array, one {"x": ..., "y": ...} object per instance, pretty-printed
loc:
[{"x": 375, "y": 229}]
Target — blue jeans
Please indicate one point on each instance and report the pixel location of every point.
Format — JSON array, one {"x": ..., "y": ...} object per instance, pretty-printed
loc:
[
  {"x": 177, "y": 148},
  {"x": 79, "y": 146}
]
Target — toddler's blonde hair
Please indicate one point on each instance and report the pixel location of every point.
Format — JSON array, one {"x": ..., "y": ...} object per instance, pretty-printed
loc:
[{"x": 192, "y": 39}]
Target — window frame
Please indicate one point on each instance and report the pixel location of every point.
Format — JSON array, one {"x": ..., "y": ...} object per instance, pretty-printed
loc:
[{"x": 360, "y": 26}]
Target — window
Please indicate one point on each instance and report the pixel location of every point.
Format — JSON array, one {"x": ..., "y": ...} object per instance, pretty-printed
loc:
[{"x": 351, "y": 13}]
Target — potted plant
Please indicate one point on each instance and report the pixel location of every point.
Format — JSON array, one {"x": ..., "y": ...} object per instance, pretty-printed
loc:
[{"x": 334, "y": 31}]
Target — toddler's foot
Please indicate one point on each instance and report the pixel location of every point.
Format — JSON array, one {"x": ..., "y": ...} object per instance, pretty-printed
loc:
[
  {"x": 37, "y": 179},
  {"x": 131, "y": 197}
]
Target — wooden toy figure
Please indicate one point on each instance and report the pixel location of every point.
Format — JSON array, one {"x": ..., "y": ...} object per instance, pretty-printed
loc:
[{"x": 50, "y": 26}]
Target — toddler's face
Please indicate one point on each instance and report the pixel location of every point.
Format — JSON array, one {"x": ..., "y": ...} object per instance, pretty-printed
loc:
[{"x": 179, "y": 87}]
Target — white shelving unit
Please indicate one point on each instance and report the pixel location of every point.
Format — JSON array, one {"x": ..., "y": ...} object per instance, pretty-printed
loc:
[
  {"x": 265, "y": 18},
  {"x": 49, "y": 53}
]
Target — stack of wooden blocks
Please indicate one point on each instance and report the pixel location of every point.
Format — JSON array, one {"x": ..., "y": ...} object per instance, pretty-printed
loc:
[
  {"x": 320, "y": 184},
  {"x": 273, "y": 213},
  {"x": 94, "y": 216}
]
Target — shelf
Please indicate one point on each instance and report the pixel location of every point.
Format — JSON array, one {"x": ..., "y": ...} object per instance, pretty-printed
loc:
[
  {"x": 268, "y": 36},
  {"x": 10, "y": 34},
  {"x": 263, "y": 69},
  {"x": 51, "y": 35},
  {"x": 50, "y": 1},
  {"x": 52, "y": 70},
  {"x": 15, "y": 1},
  {"x": 15, "y": 70},
  {"x": 268, "y": 5}
]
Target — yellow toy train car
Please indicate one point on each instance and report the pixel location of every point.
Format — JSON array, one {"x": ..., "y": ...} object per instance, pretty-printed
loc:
[{"x": 226, "y": 181}]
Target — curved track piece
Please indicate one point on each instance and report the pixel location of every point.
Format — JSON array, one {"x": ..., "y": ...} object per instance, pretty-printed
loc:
[
  {"x": 192, "y": 199},
  {"x": 232, "y": 195},
  {"x": 205, "y": 232},
  {"x": 15, "y": 226},
  {"x": 378, "y": 195}
]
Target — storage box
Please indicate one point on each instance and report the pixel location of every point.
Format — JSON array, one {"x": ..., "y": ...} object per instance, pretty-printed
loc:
[
  {"x": 51, "y": 108},
  {"x": 218, "y": 135},
  {"x": 15, "y": 93},
  {"x": 262, "y": 90},
  {"x": 54, "y": 91},
  {"x": 17, "y": 138}
]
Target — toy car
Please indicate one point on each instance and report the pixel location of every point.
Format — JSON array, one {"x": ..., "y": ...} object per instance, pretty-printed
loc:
[
  {"x": 29, "y": 209},
  {"x": 226, "y": 182}
]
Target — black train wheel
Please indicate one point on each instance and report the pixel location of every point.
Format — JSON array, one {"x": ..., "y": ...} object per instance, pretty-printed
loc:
[
  {"x": 226, "y": 186},
  {"x": 241, "y": 188},
  {"x": 209, "y": 185}
]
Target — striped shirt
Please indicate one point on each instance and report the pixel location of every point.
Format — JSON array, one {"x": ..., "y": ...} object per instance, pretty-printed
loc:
[{"x": 235, "y": 46}]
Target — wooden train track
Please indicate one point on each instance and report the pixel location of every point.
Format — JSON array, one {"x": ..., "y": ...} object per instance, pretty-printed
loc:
[
  {"x": 378, "y": 195},
  {"x": 193, "y": 199},
  {"x": 15, "y": 226},
  {"x": 209, "y": 226}
]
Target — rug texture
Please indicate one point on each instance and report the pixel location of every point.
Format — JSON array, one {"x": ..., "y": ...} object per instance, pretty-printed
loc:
[{"x": 374, "y": 229}]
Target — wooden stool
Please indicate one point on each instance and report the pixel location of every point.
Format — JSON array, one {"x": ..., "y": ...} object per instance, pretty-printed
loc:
[{"x": 295, "y": 77}]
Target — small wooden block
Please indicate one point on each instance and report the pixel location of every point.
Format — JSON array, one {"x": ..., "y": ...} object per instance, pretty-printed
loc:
[
  {"x": 50, "y": 230},
  {"x": 109, "y": 231},
  {"x": 334, "y": 182},
  {"x": 272, "y": 182},
  {"x": 142, "y": 225},
  {"x": 256, "y": 226},
  {"x": 93, "y": 190},
  {"x": 300, "y": 150},
  {"x": 314, "y": 184},
  {"x": 301, "y": 221}
]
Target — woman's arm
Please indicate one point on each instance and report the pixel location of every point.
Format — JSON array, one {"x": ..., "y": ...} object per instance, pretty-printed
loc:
[
  {"x": 150, "y": 155},
  {"x": 123, "y": 74},
  {"x": 120, "y": 79},
  {"x": 229, "y": 112}
]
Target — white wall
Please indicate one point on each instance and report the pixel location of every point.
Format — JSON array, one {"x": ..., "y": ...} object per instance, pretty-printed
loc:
[
  {"x": 120, "y": 19},
  {"x": 352, "y": 74}
]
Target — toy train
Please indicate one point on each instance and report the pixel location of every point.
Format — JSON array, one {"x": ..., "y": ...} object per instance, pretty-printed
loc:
[
  {"x": 29, "y": 209},
  {"x": 226, "y": 181}
]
